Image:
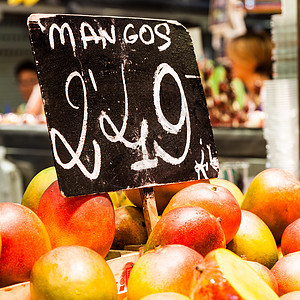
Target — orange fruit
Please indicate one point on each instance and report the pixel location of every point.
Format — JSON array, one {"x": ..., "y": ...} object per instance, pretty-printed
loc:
[
  {"x": 287, "y": 273},
  {"x": 234, "y": 189},
  {"x": 274, "y": 196},
  {"x": 37, "y": 186},
  {"x": 24, "y": 241},
  {"x": 72, "y": 272},
  {"x": 290, "y": 240},
  {"x": 223, "y": 275},
  {"x": 191, "y": 226},
  {"x": 165, "y": 269},
  {"x": 83, "y": 220},
  {"x": 216, "y": 199},
  {"x": 254, "y": 241}
]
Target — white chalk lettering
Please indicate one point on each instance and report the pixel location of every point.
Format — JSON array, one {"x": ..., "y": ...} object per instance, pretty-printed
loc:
[
  {"x": 147, "y": 35},
  {"x": 140, "y": 142},
  {"x": 93, "y": 80},
  {"x": 130, "y": 35},
  {"x": 131, "y": 39},
  {"x": 61, "y": 31},
  {"x": 146, "y": 163},
  {"x": 163, "y": 36},
  {"x": 87, "y": 38},
  {"x": 202, "y": 167},
  {"x": 103, "y": 35},
  {"x": 161, "y": 71},
  {"x": 143, "y": 31},
  {"x": 110, "y": 38},
  {"x": 76, "y": 155}
]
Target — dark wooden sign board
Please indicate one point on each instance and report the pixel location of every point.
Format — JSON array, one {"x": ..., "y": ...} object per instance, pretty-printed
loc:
[{"x": 124, "y": 103}]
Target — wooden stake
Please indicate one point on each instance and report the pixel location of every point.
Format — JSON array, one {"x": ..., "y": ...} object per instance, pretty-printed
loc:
[{"x": 149, "y": 208}]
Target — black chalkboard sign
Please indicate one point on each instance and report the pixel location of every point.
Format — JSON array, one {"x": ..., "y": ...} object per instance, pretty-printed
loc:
[{"x": 124, "y": 102}]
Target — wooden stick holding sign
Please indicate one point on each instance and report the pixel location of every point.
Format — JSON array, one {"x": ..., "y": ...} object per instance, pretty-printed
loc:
[
  {"x": 149, "y": 208},
  {"x": 127, "y": 110}
]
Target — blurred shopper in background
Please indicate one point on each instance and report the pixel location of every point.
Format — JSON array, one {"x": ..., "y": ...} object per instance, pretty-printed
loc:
[
  {"x": 250, "y": 56},
  {"x": 27, "y": 81},
  {"x": 25, "y": 73}
]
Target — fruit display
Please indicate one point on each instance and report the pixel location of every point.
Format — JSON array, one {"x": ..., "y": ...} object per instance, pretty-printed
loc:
[
  {"x": 287, "y": 273},
  {"x": 72, "y": 272},
  {"x": 228, "y": 102},
  {"x": 169, "y": 268},
  {"x": 254, "y": 241},
  {"x": 265, "y": 273},
  {"x": 216, "y": 199},
  {"x": 191, "y": 226},
  {"x": 274, "y": 196},
  {"x": 210, "y": 242},
  {"x": 130, "y": 228},
  {"x": 24, "y": 241},
  {"x": 85, "y": 220}
]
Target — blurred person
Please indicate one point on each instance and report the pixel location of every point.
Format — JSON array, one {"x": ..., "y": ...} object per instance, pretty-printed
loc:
[
  {"x": 226, "y": 21},
  {"x": 250, "y": 56},
  {"x": 26, "y": 76},
  {"x": 27, "y": 81}
]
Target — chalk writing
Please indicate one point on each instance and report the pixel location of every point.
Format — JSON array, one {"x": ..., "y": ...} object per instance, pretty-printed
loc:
[
  {"x": 88, "y": 34},
  {"x": 146, "y": 162},
  {"x": 61, "y": 31},
  {"x": 124, "y": 103},
  {"x": 76, "y": 155}
]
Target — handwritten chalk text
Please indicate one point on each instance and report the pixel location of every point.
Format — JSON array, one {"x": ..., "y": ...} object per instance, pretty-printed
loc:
[
  {"x": 140, "y": 145},
  {"x": 148, "y": 35}
]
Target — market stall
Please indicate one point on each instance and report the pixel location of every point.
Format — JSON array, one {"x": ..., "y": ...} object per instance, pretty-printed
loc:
[
  {"x": 28, "y": 146},
  {"x": 142, "y": 141}
]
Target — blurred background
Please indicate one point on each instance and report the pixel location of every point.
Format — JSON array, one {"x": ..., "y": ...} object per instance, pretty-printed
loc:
[
  {"x": 256, "y": 125},
  {"x": 15, "y": 47}
]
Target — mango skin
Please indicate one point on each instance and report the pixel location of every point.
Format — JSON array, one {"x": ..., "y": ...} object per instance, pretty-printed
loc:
[
  {"x": 72, "y": 272},
  {"x": 290, "y": 240},
  {"x": 84, "y": 220},
  {"x": 130, "y": 227},
  {"x": 287, "y": 273},
  {"x": 165, "y": 269},
  {"x": 36, "y": 188},
  {"x": 233, "y": 189},
  {"x": 24, "y": 241},
  {"x": 191, "y": 226},
  {"x": 274, "y": 196},
  {"x": 254, "y": 241},
  {"x": 217, "y": 200}
]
